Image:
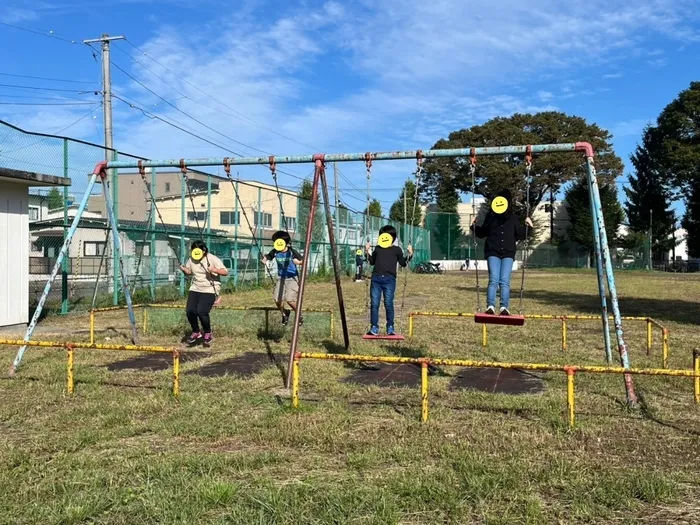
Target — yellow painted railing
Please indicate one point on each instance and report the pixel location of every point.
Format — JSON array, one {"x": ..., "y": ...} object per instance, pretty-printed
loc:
[
  {"x": 570, "y": 370},
  {"x": 564, "y": 319},
  {"x": 70, "y": 348}
]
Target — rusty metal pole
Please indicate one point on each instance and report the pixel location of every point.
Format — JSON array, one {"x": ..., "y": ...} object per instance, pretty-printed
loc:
[
  {"x": 304, "y": 267},
  {"x": 334, "y": 254}
]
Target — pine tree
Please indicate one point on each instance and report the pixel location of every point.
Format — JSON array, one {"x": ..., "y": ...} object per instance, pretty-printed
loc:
[
  {"x": 578, "y": 206},
  {"x": 375, "y": 209},
  {"x": 691, "y": 220},
  {"x": 55, "y": 199},
  {"x": 648, "y": 200}
]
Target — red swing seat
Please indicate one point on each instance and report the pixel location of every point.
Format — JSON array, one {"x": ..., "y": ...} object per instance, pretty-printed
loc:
[
  {"x": 508, "y": 320},
  {"x": 384, "y": 337}
]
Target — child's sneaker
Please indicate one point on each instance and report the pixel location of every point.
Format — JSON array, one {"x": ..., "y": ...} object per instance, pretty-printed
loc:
[
  {"x": 390, "y": 330},
  {"x": 194, "y": 338},
  {"x": 285, "y": 317},
  {"x": 373, "y": 331},
  {"x": 504, "y": 311},
  {"x": 208, "y": 338},
  {"x": 491, "y": 310}
]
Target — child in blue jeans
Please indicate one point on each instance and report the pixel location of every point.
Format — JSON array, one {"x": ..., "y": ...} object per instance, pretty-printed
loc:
[
  {"x": 385, "y": 258},
  {"x": 502, "y": 230}
]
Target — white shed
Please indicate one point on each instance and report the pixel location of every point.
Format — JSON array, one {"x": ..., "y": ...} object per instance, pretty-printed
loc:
[{"x": 14, "y": 242}]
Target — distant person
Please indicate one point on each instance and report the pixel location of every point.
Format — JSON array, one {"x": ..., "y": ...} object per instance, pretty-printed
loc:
[
  {"x": 206, "y": 270},
  {"x": 385, "y": 258},
  {"x": 288, "y": 262},
  {"x": 502, "y": 229},
  {"x": 359, "y": 265}
]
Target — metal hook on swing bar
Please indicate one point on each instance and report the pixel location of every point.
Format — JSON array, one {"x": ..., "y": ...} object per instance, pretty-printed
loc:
[
  {"x": 227, "y": 166},
  {"x": 273, "y": 165},
  {"x": 183, "y": 167}
]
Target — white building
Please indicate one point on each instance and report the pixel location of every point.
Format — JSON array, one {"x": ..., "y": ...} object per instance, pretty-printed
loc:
[{"x": 14, "y": 240}]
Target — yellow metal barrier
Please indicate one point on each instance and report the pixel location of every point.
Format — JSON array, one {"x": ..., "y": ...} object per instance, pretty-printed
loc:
[
  {"x": 650, "y": 324},
  {"x": 570, "y": 370},
  {"x": 146, "y": 307},
  {"x": 71, "y": 347}
]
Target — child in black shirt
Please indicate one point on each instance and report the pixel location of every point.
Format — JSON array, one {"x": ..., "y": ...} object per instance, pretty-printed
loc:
[
  {"x": 385, "y": 259},
  {"x": 359, "y": 265}
]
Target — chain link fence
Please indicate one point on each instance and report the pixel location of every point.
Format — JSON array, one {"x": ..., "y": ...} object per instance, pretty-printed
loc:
[{"x": 158, "y": 216}]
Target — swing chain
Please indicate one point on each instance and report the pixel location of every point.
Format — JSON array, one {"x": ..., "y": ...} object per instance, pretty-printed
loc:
[
  {"x": 472, "y": 173},
  {"x": 526, "y": 244}
]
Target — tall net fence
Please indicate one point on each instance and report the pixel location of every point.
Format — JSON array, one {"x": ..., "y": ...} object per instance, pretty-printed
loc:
[{"x": 159, "y": 215}]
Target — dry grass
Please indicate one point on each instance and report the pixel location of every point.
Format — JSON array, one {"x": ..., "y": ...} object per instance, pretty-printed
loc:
[{"x": 230, "y": 450}]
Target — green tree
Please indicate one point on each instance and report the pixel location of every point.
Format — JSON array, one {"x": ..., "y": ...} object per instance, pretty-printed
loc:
[
  {"x": 375, "y": 209},
  {"x": 677, "y": 155},
  {"x": 691, "y": 221},
  {"x": 578, "y": 206},
  {"x": 396, "y": 212},
  {"x": 648, "y": 201},
  {"x": 317, "y": 234},
  {"x": 55, "y": 199},
  {"x": 549, "y": 172}
]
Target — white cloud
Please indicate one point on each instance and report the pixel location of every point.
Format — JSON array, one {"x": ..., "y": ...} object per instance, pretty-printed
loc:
[
  {"x": 15, "y": 15},
  {"x": 629, "y": 128},
  {"x": 613, "y": 75}
]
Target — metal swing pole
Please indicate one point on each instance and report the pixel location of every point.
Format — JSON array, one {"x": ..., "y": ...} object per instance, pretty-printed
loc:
[
  {"x": 57, "y": 265},
  {"x": 334, "y": 256},
  {"x": 607, "y": 261},
  {"x": 117, "y": 247},
  {"x": 304, "y": 266}
]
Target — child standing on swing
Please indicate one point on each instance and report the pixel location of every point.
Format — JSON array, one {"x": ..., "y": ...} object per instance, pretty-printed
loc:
[
  {"x": 288, "y": 262},
  {"x": 385, "y": 258},
  {"x": 502, "y": 229},
  {"x": 206, "y": 270}
]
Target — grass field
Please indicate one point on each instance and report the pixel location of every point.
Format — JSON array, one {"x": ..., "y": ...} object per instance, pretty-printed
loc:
[{"x": 122, "y": 450}]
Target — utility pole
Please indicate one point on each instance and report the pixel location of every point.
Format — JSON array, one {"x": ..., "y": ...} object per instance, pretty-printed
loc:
[
  {"x": 651, "y": 239},
  {"x": 109, "y": 143},
  {"x": 405, "y": 224}
]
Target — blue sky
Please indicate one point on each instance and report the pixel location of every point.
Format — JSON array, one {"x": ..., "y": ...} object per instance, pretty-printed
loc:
[{"x": 352, "y": 76}]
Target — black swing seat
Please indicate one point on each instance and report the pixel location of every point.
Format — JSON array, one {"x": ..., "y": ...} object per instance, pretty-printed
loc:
[
  {"x": 508, "y": 320},
  {"x": 384, "y": 337}
]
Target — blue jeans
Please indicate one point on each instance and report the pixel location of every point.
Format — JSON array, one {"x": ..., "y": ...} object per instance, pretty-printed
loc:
[
  {"x": 382, "y": 284},
  {"x": 499, "y": 277}
]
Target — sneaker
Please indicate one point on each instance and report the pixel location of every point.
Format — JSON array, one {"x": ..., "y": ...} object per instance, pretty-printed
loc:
[
  {"x": 491, "y": 310},
  {"x": 285, "y": 317},
  {"x": 390, "y": 330},
  {"x": 504, "y": 311},
  {"x": 194, "y": 338},
  {"x": 301, "y": 320},
  {"x": 373, "y": 331},
  {"x": 208, "y": 338}
]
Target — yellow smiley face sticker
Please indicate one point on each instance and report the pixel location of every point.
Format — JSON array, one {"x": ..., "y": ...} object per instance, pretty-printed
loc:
[
  {"x": 279, "y": 245},
  {"x": 385, "y": 240},
  {"x": 197, "y": 254},
  {"x": 358, "y": 252},
  {"x": 499, "y": 205}
]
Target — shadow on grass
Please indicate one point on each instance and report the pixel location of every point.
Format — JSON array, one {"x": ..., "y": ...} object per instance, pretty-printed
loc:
[
  {"x": 686, "y": 312},
  {"x": 648, "y": 413}
]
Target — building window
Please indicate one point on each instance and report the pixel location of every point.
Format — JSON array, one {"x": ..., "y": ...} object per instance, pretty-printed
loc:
[
  {"x": 143, "y": 249},
  {"x": 33, "y": 213},
  {"x": 266, "y": 219},
  {"x": 94, "y": 249},
  {"x": 167, "y": 187},
  {"x": 229, "y": 218},
  {"x": 291, "y": 223},
  {"x": 200, "y": 216}
]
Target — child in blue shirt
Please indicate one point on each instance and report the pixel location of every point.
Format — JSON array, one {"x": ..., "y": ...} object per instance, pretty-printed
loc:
[{"x": 288, "y": 262}]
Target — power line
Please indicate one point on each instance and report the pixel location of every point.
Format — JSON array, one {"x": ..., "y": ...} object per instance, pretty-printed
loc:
[
  {"x": 81, "y": 92},
  {"x": 48, "y": 103},
  {"x": 48, "y": 34},
  {"x": 47, "y": 79},
  {"x": 240, "y": 115}
]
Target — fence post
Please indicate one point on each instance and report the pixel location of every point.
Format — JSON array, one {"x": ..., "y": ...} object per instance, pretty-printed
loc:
[
  {"x": 64, "y": 266},
  {"x": 424, "y": 391},
  {"x": 295, "y": 382},
  {"x": 69, "y": 370},
  {"x": 570, "y": 393},
  {"x": 664, "y": 356},
  {"x": 153, "y": 237},
  {"x": 176, "y": 373},
  {"x": 484, "y": 336},
  {"x": 564, "y": 342},
  {"x": 696, "y": 368},
  {"x": 259, "y": 225},
  {"x": 92, "y": 327},
  {"x": 649, "y": 336}
]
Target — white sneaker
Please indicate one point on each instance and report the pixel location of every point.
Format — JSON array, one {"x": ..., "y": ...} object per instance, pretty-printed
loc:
[
  {"x": 491, "y": 310},
  {"x": 504, "y": 311}
]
